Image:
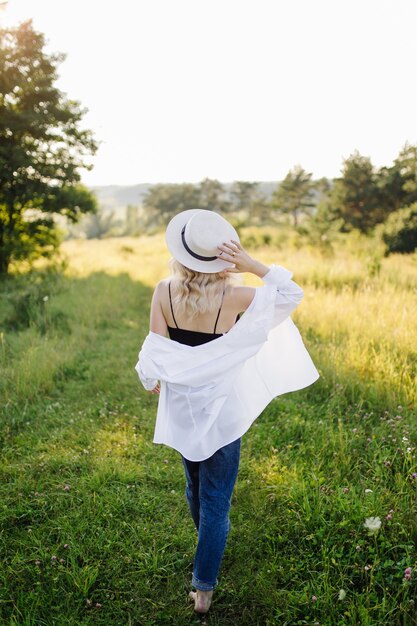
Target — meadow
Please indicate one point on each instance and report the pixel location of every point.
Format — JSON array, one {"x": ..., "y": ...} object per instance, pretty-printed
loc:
[{"x": 94, "y": 525}]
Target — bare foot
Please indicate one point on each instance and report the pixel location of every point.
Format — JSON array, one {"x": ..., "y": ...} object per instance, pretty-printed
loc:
[{"x": 202, "y": 600}]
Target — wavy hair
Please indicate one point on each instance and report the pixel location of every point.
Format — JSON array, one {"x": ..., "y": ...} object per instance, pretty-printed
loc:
[{"x": 196, "y": 292}]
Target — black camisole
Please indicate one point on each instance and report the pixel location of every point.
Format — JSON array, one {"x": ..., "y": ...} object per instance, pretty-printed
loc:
[{"x": 192, "y": 337}]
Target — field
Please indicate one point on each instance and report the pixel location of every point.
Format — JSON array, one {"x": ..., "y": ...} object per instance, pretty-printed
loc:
[{"x": 95, "y": 528}]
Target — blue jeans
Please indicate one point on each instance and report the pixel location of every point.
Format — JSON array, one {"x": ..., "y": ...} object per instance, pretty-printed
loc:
[{"x": 209, "y": 487}]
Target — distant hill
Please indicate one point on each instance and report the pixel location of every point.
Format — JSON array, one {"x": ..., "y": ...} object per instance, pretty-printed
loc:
[{"x": 116, "y": 197}]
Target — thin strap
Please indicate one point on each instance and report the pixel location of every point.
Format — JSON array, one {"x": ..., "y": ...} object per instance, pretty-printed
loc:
[
  {"x": 170, "y": 301},
  {"x": 218, "y": 314}
]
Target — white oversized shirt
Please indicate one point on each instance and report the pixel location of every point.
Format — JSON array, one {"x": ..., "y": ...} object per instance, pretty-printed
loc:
[{"x": 212, "y": 393}]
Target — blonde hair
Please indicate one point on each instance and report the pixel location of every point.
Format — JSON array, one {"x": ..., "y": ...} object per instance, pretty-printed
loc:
[{"x": 196, "y": 292}]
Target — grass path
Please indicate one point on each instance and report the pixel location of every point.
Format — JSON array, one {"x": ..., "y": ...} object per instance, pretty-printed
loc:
[{"x": 94, "y": 523}]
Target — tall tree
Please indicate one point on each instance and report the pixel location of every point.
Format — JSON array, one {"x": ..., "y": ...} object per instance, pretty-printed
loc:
[
  {"x": 245, "y": 195},
  {"x": 294, "y": 195},
  {"x": 212, "y": 195},
  {"x": 355, "y": 197},
  {"x": 397, "y": 184},
  {"x": 42, "y": 148},
  {"x": 390, "y": 191},
  {"x": 163, "y": 201},
  {"x": 406, "y": 165}
]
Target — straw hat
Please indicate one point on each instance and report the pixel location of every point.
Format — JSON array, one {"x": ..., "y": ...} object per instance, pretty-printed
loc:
[{"x": 192, "y": 238}]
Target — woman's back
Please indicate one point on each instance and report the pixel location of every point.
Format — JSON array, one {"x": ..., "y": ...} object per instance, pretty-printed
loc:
[{"x": 210, "y": 323}]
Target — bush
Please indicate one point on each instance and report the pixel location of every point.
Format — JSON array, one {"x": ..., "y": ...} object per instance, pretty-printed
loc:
[
  {"x": 399, "y": 232},
  {"x": 28, "y": 303}
]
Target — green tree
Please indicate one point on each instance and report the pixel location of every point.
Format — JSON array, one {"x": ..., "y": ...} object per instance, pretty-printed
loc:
[
  {"x": 399, "y": 232},
  {"x": 98, "y": 225},
  {"x": 163, "y": 201},
  {"x": 244, "y": 194},
  {"x": 397, "y": 184},
  {"x": 406, "y": 165},
  {"x": 390, "y": 189},
  {"x": 295, "y": 194},
  {"x": 42, "y": 148},
  {"x": 212, "y": 196},
  {"x": 355, "y": 196}
]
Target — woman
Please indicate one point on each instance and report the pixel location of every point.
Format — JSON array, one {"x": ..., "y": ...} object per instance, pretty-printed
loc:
[{"x": 217, "y": 372}]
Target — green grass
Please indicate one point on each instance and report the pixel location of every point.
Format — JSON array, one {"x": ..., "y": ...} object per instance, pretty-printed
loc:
[{"x": 94, "y": 523}]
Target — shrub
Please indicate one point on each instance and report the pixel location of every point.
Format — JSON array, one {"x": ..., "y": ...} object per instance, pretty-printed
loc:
[
  {"x": 28, "y": 301},
  {"x": 399, "y": 232}
]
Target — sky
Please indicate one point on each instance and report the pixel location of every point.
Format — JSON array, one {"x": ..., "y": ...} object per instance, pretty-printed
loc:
[{"x": 181, "y": 90}]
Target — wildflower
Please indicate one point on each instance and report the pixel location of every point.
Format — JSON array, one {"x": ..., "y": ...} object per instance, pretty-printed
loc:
[
  {"x": 88, "y": 602},
  {"x": 358, "y": 548},
  {"x": 62, "y": 561},
  {"x": 414, "y": 475},
  {"x": 369, "y": 439},
  {"x": 354, "y": 430},
  {"x": 45, "y": 298},
  {"x": 37, "y": 562},
  {"x": 66, "y": 545},
  {"x": 314, "y": 598},
  {"x": 66, "y": 488},
  {"x": 373, "y": 524},
  {"x": 367, "y": 568},
  {"x": 345, "y": 489},
  {"x": 368, "y": 490},
  {"x": 342, "y": 594},
  {"x": 407, "y": 573},
  {"x": 388, "y": 517},
  {"x": 387, "y": 463},
  {"x": 98, "y": 605}
]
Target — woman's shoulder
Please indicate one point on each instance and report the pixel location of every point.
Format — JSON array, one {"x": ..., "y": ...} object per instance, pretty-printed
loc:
[
  {"x": 160, "y": 290},
  {"x": 241, "y": 295},
  {"x": 162, "y": 285}
]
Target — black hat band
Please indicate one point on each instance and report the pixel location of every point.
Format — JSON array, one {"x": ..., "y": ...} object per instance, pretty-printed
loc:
[{"x": 194, "y": 254}]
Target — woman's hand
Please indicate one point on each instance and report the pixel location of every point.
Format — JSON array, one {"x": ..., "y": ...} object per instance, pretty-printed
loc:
[
  {"x": 243, "y": 262},
  {"x": 156, "y": 389}
]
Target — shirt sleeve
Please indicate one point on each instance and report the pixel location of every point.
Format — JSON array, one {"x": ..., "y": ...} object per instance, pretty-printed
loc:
[
  {"x": 148, "y": 383},
  {"x": 288, "y": 294}
]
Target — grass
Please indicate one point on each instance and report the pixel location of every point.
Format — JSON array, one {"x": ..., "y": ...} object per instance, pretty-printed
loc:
[{"x": 94, "y": 524}]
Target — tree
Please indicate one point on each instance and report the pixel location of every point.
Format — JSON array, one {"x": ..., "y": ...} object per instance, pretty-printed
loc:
[
  {"x": 295, "y": 194},
  {"x": 244, "y": 195},
  {"x": 163, "y": 201},
  {"x": 355, "y": 197},
  {"x": 399, "y": 232},
  {"x": 397, "y": 184},
  {"x": 390, "y": 189},
  {"x": 42, "y": 148},
  {"x": 406, "y": 166},
  {"x": 98, "y": 225},
  {"x": 212, "y": 196}
]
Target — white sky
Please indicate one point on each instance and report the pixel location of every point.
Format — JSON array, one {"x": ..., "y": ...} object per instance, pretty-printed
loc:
[{"x": 178, "y": 90}]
